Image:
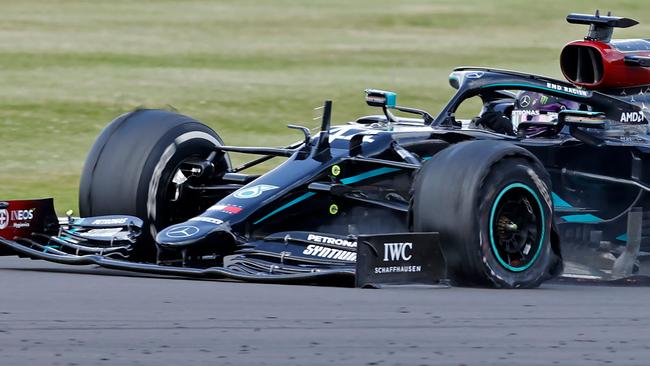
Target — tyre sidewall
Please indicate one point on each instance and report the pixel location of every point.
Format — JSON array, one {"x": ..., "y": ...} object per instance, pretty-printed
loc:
[
  {"x": 188, "y": 140},
  {"x": 132, "y": 163},
  {"x": 504, "y": 174}
]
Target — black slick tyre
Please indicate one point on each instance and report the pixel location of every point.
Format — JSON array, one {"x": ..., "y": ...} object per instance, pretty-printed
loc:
[
  {"x": 131, "y": 165},
  {"x": 491, "y": 203}
]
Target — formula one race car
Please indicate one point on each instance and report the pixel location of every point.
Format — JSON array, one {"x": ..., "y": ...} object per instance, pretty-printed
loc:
[{"x": 544, "y": 167}]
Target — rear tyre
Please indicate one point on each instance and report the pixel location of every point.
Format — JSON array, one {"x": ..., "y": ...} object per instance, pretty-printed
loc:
[
  {"x": 490, "y": 201},
  {"x": 130, "y": 167}
]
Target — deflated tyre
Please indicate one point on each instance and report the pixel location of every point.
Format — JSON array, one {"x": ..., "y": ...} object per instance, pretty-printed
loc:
[{"x": 490, "y": 201}]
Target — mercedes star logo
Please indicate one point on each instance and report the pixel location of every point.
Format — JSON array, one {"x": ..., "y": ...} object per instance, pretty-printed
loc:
[
  {"x": 525, "y": 101},
  {"x": 183, "y": 232}
]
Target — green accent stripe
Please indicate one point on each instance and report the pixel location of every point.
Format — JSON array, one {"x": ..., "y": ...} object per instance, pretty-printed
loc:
[
  {"x": 368, "y": 174},
  {"x": 533, "y": 86},
  {"x": 285, "y": 206}
]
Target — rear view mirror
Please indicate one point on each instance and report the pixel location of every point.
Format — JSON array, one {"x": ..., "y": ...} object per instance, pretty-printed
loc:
[
  {"x": 381, "y": 98},
  {"x": 574, "y": 118}
]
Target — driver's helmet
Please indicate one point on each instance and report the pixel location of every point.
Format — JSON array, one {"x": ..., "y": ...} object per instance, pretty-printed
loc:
[{"x": 538, "y": 107}]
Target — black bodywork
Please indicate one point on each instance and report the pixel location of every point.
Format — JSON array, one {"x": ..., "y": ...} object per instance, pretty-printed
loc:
[
  {"x": 302, "y": 220},
  {"x": 598, "y": 175}
]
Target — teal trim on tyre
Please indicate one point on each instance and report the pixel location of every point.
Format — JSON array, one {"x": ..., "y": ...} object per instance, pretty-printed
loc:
[{"x": 541, "y": 241}]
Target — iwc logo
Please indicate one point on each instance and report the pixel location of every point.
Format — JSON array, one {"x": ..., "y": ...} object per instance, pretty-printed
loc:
[{"x": 397, "y": 251}]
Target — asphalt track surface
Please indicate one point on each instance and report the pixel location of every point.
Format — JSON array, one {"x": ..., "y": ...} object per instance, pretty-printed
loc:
[{"x": 90, "y": 316}]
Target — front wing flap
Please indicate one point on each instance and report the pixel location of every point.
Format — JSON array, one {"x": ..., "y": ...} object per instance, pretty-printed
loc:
[{"x": 286, "y": 257}]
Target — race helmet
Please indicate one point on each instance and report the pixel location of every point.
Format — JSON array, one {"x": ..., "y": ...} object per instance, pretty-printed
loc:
[{"x": 538, "y": 107}]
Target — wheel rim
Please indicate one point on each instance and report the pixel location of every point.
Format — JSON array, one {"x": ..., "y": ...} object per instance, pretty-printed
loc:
[{"x": 517, "y": 227}]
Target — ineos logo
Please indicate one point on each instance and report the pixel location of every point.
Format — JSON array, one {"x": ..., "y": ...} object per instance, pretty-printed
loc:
[
  {"x": 397, "y": 251},
  {"x": 183, "y": 232},
  {"x": 4, "y": 219}
]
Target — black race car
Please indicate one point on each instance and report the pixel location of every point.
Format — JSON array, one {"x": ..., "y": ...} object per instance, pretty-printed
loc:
[{"x": 542, "y": 167}]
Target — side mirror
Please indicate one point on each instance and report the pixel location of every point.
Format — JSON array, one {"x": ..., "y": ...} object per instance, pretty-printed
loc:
[
  {"x": 574, "y": 118},
  {"x": 381, "y": 98}
]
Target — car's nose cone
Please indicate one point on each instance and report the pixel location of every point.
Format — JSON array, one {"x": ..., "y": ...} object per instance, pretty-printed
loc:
[{"x": 188, "y": 233}]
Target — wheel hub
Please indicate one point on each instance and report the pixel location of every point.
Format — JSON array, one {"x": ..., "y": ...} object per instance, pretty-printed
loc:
[{"x": 516, "y": 227}]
